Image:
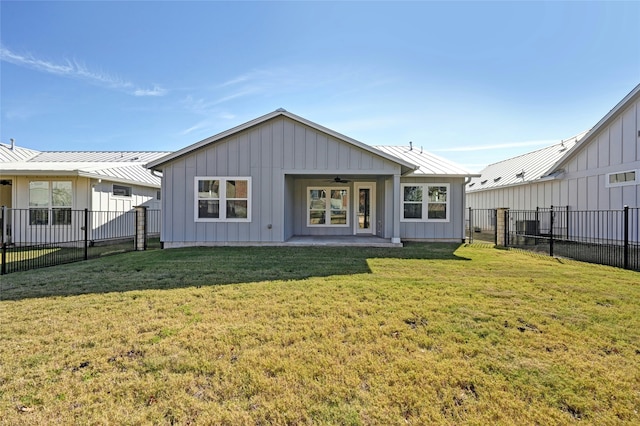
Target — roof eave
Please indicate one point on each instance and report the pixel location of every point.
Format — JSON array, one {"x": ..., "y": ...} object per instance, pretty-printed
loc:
[
  {"x": 117, "y": 180},
  {"x": 446, "y": 175},
  {"x": 39, "y": 172}
]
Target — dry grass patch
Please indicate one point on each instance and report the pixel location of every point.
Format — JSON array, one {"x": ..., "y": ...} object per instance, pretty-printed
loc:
[{"x": 427, "y": 334}]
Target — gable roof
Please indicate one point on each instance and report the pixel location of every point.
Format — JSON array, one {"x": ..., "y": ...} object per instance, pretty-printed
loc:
[
  {"x": 405, "y": 165},
  {"x": 429, "y": 164},
  {"x": 605, "y": 121},
  {"x": 117, "y": 166},
  {"x": 545, "y": 163},
  {"x": 524, "y": 168}
]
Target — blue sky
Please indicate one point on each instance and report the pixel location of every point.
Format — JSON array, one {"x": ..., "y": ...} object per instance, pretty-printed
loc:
[{"x": 474, "y": 82}]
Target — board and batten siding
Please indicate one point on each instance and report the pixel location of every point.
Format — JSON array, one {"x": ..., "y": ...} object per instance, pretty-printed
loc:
[
  {"x": 615, "y": 148},
  {"x": 583, "y": 186},
  {"x": 276, "y": 154},
  {"x": 453, "y": 229},
  {"x": 103, "y": 200}
]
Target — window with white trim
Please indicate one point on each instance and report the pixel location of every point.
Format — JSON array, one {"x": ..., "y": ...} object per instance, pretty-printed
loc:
[
  {"x": 425, "y": 202},
  {"x": 222, "y": 199},
  {"x": 629, "y": 177},
  {"x": 50, "y": 202},
  {"x": 327, "y": 206}
]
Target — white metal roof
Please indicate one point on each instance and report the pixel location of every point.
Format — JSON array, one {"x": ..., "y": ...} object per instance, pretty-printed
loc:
[
  {"x": 117, "y": 166},
  {"x": 10, "y": 154},
  {"x": 524, "y": 168},
  {"x": 428, "y": 163}
]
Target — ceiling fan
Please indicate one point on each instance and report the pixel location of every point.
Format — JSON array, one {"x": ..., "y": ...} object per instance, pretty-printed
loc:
[{"x": 338, "y": 179}]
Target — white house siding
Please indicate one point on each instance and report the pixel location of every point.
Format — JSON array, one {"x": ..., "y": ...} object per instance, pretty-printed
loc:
[
  {"x": 21, "y": 230},
  {"x": 103, "y": 199},
  {"x": 615, "y": 147},
  {"x": 273, "y": 153},
  {"x": 87, "y": 194},
  {"x": 112, "y": 216}
]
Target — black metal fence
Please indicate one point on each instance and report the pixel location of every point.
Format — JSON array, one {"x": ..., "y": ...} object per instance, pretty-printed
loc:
[
  {"x": 608, "y": 237},
  {"x": 481, "y": 225},
  {"x": 37, "y": 238}
]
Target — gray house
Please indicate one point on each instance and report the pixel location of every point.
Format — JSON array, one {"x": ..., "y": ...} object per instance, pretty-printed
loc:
[
  {"x": 282, "y": 179},
  {"x": 595, "y": 170}
]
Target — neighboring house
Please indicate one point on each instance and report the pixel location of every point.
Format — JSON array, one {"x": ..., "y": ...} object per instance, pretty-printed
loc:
[
  {"x": 596, "y": 170},
  {"x": 281, "y": 176},
  {"x": 40, "y": 189}
]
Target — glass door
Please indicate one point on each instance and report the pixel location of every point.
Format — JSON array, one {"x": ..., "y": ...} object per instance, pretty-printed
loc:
[{"x": 365, "y": 222}]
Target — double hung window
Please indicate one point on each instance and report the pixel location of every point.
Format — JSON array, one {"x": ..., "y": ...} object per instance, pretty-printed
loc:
[
  {"x": 422, "y": 202},
  {"x": 223, "y": 199}
]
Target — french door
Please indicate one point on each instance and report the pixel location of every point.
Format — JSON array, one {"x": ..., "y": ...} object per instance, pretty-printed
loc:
[{"x": 365, "y": 207}]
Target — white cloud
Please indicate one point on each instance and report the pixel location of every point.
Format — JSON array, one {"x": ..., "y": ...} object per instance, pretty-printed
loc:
[
  {"x": 76, "y": 69},
  {"x": 495, "y": 146},
  {"x": 156, "y": 91}
]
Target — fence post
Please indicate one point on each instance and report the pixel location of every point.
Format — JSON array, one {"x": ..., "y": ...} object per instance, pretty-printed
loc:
[
  {"x": 146, "y": 227},
  {"x": 470, "y": 225},
  {"x": 626, "y": 237},
  {"x": 537, "y": 231},
  {"x": 551, "y": 232},
  {"x": 141, "y": 228},
  {"x": 502, "y": 227},
  {"x": 3, "y": 270},
  {"x": 495, "y": 226},
  {"x": 3, "y": 220},
  {"x": 566, "y": 222},
  {"x": 85, "y": 228}
]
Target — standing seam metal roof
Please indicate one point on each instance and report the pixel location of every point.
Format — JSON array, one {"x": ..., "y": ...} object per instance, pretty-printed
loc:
[
  {"x": 524, "y": 168},
  {"x": 120, "y": 166},
  {"x": 428, "y": 163}
]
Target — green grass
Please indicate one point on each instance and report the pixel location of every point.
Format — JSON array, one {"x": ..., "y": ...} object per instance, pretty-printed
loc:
[{"x": 426, "y": 334}]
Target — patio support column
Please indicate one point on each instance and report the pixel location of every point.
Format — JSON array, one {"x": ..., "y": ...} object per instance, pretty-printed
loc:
[{"x": 395, "y": 237}]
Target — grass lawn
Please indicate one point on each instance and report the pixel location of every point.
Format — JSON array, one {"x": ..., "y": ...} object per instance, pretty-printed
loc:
[{"x": 426, "y": 334}]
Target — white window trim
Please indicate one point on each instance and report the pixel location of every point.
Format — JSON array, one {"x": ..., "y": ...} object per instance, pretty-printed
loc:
[
  {"x": 425, "y": 202},
  {"x": 607, "y": 184},
  {"x": 223, "y": 199},
  {"x": 328, "y": 189}
]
